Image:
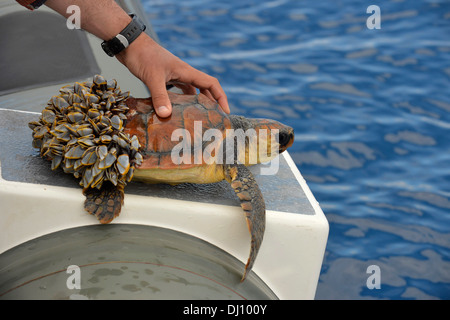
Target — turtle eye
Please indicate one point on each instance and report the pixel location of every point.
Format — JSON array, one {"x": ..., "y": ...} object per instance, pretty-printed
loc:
[{"x": 283, "y": 138}]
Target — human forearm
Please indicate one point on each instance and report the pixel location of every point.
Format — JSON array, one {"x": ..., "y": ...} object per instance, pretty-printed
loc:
[
  {"x": 103, "y": 18},
  {"x": 147, "y": 60}
]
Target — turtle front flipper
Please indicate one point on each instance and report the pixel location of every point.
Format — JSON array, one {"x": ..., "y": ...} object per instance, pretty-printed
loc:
[
  {"x": 252, "y": 202},
  {"x": 105, "y": 203}
]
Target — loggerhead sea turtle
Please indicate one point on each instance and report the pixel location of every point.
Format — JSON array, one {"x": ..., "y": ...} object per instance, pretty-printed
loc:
[{"x": 106, "y": 138}]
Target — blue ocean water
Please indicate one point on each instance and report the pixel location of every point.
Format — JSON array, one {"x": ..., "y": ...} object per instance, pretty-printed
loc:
[{"x": 371, "y": 112}]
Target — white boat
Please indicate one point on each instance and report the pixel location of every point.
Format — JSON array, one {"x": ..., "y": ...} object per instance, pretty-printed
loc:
[{"x": 170, "y": 242}]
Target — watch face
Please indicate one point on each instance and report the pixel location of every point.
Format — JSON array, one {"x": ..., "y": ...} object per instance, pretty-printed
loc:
[
  {"x": 106, "y": 49},
  {"x": 112, "y": 47}
]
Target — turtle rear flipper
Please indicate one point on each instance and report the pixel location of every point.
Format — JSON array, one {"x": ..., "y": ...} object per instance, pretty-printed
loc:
[
  {"x": 252, "y": 202},
  {"x": 105, "y": 203}
]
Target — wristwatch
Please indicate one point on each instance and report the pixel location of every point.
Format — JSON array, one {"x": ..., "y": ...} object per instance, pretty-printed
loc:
[{"x": 125, "y": 37}]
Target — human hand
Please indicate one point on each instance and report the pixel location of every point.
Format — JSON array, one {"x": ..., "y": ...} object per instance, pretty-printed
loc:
[
  {"x": 147, "y": 60},
  {"x": 156, "y": 67}
]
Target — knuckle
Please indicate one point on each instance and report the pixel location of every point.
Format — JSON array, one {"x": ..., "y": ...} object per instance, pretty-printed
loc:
[{"x": 214, "y": 81}]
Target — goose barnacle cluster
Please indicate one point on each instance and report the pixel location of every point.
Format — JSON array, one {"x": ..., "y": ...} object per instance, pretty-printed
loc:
[{"x": 81, "y": 131}]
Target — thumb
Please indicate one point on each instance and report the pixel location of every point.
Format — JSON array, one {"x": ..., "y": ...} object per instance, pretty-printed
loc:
[{"x": 160, "y": 98}]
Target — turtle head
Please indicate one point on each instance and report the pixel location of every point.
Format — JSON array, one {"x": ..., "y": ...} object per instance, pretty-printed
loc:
[{"x": 264, "y": 138}]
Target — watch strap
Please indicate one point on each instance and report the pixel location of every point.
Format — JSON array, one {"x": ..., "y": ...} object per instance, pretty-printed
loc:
[{"x": 125, "y": 37}]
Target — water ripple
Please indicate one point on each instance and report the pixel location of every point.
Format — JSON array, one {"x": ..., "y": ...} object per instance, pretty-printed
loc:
[{"x": 371, "y": 112}]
